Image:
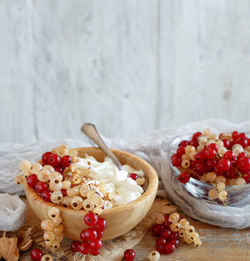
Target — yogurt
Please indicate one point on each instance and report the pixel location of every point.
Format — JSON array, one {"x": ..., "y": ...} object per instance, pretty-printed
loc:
[{"x": 111, "y": 180}]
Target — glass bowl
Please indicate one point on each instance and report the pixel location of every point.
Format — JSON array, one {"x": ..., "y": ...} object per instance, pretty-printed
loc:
[{"x": 200, "y": 189}]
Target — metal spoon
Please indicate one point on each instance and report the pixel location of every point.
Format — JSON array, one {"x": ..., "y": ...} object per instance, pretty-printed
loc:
[{"x": 91, "y": 132}]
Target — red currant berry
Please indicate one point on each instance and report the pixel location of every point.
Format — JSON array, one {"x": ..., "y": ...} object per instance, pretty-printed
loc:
[
  {"x": 175, "y": 242},
  {"x": 100, "y": 234},
  {"x": 213, "y": 146},
  {"x": 167, "y": 221},
  {"x": 32, "y": 180},
  {"x": 231, "y": 174},
  {"x": 218, "y": 171},
  {"x": 224, "y": 164},
  {"x": 74, "y": 247},
  {"x": 243, "y": 164},
  {"x": 96, "y": 244},
  {"x": 247, "y": 177},
  {"x": 227, "y": 143},
  {"x": 64, "y": 192},
  {"x": 90, "y": 219},
  {"x": 66, "y": 161},
  {"x": 184, "y": 177},
  {"x": 242, "y": 141},
  {"x": 59, "y": 169},
  {"x": 235, "y": 135},
  {"x": 45, "y": 157},
  {"x": 230, "y": 156},
  {"x": 210, "y": 153},
  {"x": 84, "y": 248},
  {"x": 88, "y": 234},
  {"x": 210, "y": 164},
  {"x": 200, "y": 168},
  {"x": 183, "y": 143},
  {"x": 174, "y": 235},
  {"x": 180, "y": 151},
  {"x": 176, "y": 161},
  {"x": 156, "y": 229},
  {"x": 36, "y": 254},
  {"x": 129, "y": 254},
  {"x": 95, "y": 252},
  {"x": 46, "y": 196},
  {"x": 242, "y": 135},
  {"x": 196, "y": 135},
  {"x": 101, "y": 224},
  {"x": 169, "y": 248},
  {"x": 165, "y": 233},
  {"x": 54, "y": 160},
  {"x": 133, "y": 176},
  {"x": 161, "y": 241},
  {"x": 194, "y": 143},
  {"x": 199, "y": 157},
  {"x": 242, "y": 154},
  {"x": 160, "y": 249},
  {"x": 40, "y": 186}
]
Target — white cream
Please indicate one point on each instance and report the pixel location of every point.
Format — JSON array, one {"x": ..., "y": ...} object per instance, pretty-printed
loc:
[{"x": 116, "y": 181}]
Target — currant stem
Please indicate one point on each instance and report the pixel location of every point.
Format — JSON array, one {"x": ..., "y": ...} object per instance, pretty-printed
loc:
[
  {"x": 237, "y": 171},
  {"x": 190, "y": 171}
]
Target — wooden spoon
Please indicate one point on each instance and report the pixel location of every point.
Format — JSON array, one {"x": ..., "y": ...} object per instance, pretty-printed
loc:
[{"x": 91, "y": 132}]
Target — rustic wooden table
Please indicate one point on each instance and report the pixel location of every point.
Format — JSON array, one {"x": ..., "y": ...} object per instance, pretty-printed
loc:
[{"x": 218, "y": 244}]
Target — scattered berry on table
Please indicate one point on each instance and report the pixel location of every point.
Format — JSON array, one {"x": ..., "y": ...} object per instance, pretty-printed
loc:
[
  {"x": 36, "y": 254},
  {"x": 154, "y": 256},
  {"x": 129, "y": 255}
]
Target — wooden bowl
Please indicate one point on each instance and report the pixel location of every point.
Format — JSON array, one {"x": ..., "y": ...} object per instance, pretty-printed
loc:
[{"x": 119, "y": 219}]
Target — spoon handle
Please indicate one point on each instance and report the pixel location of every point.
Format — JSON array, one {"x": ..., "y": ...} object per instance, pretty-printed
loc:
[{"x": 90, "y": 131}]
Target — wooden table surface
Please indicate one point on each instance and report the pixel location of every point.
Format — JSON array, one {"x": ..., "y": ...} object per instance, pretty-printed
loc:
[{"x": 218, "y": 244}]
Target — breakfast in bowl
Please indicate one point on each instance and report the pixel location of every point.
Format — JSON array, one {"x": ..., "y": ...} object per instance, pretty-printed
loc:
[
  {"x": 213, "y": 166},
  {"x": 80, "y": 194},
  {"x": 82, "y": 183}
]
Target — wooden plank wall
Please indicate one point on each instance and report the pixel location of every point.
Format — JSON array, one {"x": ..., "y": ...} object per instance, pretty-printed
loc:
[{"x": 128, "y": 66}]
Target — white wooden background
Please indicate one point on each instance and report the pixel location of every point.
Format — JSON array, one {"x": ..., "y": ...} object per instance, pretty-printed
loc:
[{"x": 130, "y": 66}]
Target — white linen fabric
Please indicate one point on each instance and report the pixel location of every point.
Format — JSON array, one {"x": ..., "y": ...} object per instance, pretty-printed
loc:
[
  {"x": 153, "y": 148},
  {"x": 12, "y": 212}
]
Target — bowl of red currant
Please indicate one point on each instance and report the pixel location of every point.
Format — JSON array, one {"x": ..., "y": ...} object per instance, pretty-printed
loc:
[{"x": 213, "y": 167}]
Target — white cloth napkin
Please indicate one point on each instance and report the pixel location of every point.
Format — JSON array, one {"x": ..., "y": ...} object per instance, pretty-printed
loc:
[
  {"x": 151, "y": 147},
  {"x": 12, "y": 212}
]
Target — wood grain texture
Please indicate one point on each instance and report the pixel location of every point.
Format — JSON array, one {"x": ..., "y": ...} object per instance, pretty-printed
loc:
[
  {"x": 128, "y": 66},
  {"x": 217, "y": 244},
  {"x": 16, "y": 90},
  {"x": 203, "y": 60},
  {"x": 99, "y": 73}
]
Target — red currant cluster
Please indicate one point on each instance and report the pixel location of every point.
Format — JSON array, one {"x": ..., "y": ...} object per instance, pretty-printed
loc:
[
  {"x": 169, "y": 229},
  {"x": 214, "y": 159},
  {"x": 59, "y": 164},
  {"x": 54, "y": 160},
  {"x": 36, "y": 254},
  {"x": 91, "y": 237}
]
